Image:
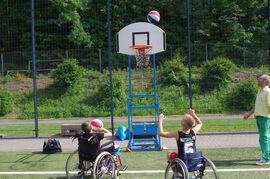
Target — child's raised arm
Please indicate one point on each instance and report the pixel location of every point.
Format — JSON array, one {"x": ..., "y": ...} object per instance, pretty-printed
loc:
[
  {"x": 160, "y": 129},
  {"x": 106, "y": 132},
  {"x": 199, "y": 124}
]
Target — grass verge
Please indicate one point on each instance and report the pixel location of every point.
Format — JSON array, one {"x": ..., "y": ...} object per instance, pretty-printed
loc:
[{"x": 208, "y": 126}]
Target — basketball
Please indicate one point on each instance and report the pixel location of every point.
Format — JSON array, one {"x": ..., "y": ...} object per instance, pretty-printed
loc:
[
  {"x": 153, "y": 17},
  {"x": 96, "y": 124}
]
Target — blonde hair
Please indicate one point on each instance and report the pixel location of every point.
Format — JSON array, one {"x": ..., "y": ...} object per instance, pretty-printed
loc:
[{"x": 188, "y": 121}]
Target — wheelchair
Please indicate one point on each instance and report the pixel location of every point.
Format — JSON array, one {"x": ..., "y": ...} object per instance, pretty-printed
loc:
[
  {"x": 194, "y": 166},
  {"x": 88, "y": 161}
]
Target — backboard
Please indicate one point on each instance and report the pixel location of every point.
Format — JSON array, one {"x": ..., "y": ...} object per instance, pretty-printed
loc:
[{"x": 140, "y": 33}]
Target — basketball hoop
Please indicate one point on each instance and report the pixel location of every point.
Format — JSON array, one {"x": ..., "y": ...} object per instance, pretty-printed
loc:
[{"x": 142, "y": 54}]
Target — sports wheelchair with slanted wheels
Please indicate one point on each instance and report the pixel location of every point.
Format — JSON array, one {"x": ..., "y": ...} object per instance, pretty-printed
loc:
[
  {"x": 88, "y": 160},
  {"x": 194, "y": 166}
]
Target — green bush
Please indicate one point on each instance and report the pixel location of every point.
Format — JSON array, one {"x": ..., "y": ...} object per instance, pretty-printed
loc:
[
  {"x": 216, "y": 73},
  {"x": 68, "y": 73},
  {"x": 173, "y": 72},
  {"x": 6, "y": 78},
  {"x": 243, "y": 95},
  {"x": 119, "y": 96},
  {"x": 6, "y": 102}
]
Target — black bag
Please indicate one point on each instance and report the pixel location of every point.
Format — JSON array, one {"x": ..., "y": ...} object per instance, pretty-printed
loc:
[{"x": 51, "y": 146}]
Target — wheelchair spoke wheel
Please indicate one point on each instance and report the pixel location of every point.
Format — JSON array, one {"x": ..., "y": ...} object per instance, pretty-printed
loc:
[
  {"x": 75, "y": 169},
  {"x": 104, "y": 166},
  {"x": 176, "y": 169},
  {"x": 210, "y": 171}
]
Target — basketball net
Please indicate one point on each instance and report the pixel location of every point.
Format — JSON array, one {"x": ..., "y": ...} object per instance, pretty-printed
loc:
[{"x": 142, "y": 54}]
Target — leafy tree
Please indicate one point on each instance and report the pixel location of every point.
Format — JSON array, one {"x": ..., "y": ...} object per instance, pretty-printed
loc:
[
  {"x": 15, "y": 23},
  {"x": 83, "y": 24},
  {"x": 69, "y": 13}
]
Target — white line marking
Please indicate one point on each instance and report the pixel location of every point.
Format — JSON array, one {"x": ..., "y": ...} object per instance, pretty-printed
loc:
[
  {"x": 144, "y": 171},
  {"x": 243, "y": 170}
]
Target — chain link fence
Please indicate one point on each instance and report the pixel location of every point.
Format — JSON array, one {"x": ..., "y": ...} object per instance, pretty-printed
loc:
[{"x": 80, "y": 32}]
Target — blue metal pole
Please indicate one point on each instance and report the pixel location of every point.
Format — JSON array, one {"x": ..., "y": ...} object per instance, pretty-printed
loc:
[
  {"x": 34, "y": 66},
  {"x": 154, "y": 71},
  {"x": 142, "y": 79},
  {"x": 129, "y": 75},
  {"x": 129, "y": 100},
  {"x": 189, "y": 56},
  {"x": 110, "y": 61}
]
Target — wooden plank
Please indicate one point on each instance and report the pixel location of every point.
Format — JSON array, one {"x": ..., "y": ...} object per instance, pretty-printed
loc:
[{"x": 70, "y": 129}]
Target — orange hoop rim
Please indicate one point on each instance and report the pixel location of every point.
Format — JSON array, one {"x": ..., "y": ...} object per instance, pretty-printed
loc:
[{"x": 141, "y": 48}]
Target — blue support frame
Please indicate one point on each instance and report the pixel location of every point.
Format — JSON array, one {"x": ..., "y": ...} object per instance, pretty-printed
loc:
[{"x": 150, "y": 140}]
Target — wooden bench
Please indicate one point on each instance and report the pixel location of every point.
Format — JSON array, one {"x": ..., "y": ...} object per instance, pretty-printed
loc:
[{"x": 70, "y": 129}]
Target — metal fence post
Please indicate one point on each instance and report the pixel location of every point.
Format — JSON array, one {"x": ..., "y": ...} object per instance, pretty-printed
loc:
[
  {"x": 2, "y": 64},
  {"x": 189, "y": 54},
  {"x": 206, "y": 52},
  {"x": 244, "y": 54},
  {"x": 67, "y": 54},
  {"x": 34, "y": 67},
  {"x": 99, "y": 56},
  {"x": 171, "y": 52}
]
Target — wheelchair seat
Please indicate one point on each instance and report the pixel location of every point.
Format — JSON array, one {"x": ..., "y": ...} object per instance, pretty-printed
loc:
[
  {"x": 194, "y": 161},
  {"x": 89, "y": 148}
]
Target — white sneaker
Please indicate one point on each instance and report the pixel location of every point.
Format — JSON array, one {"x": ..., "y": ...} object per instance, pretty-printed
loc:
[{"x": 262, "y": 162}]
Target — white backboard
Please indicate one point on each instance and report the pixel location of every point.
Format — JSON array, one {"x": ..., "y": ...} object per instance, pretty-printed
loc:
[{"x": 140, "y": 33}]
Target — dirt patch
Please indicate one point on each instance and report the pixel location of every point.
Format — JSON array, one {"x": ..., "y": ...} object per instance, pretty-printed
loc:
[
  {"x": 26, "y": 84},
  {"x": 242, "y": 76}
]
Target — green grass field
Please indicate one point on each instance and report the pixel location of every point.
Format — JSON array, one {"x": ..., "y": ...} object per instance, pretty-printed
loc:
[
  {"x": 208, "y": 126},
  {"x": 234, "y": 158}
]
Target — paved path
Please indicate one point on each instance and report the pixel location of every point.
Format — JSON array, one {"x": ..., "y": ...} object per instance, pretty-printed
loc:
[
  {"x": 204, "y": 140},
  {"x": 79, "y": 121}
]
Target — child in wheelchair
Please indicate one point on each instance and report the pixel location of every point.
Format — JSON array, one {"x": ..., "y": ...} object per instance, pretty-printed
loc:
[
  {"x": 94, "y": 138},
  {"x": 185, "y": 138},
  {"x": 94, "y": 157},
  {"x": 95, "y": 150}
]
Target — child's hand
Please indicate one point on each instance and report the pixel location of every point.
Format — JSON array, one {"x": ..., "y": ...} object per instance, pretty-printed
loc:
[
  {"x": 191, "y": 112},
  {"x": 162, "y": 117}
]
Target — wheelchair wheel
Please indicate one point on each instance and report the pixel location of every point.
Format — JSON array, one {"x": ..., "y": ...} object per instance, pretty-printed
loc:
[
  {"x": 176, "y": 169},
  {"x": 75, "y": 169},
  {"x": 104, "y": 166},
  {"x": 210, "y": 171}
]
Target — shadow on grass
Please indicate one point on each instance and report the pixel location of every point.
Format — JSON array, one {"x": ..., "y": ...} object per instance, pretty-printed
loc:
[
  {"x": 33, "y": 154},
  {"x": 64, "y": 177},
  {"x": 234, "y": 163}
]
